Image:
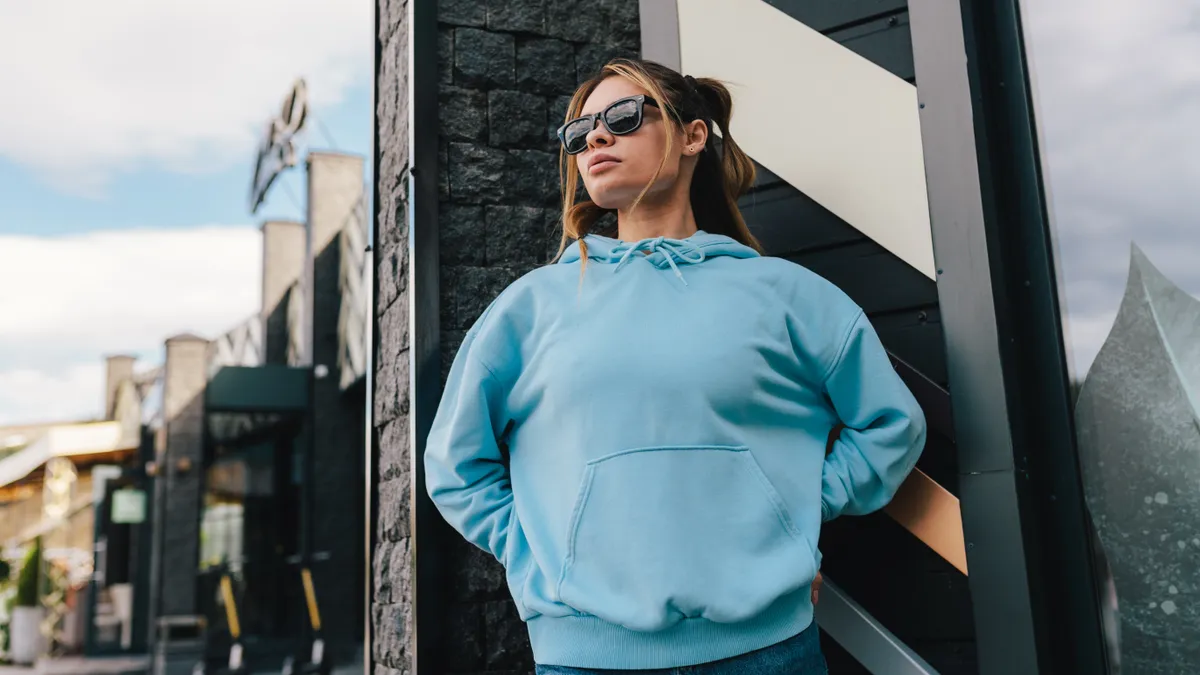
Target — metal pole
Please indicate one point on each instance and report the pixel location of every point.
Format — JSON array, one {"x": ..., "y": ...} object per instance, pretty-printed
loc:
[
  {"x": 1032, "y": 580},
  {"x": 429, "y": 531}
]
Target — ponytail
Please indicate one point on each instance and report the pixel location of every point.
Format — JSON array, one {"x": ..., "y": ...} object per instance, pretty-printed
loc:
[{"x": 724, "y": 171}]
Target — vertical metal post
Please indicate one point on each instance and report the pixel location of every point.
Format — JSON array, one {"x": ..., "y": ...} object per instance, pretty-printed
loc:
[
  {"x": 156, "y": 489},
  {"x": 371, "y": 501},
  {"x": 1031, "y": 576},
  {"x": 988, "y": 487},
  {"x": 659, "y": 20},
  {"x": 429, "y": 531}
]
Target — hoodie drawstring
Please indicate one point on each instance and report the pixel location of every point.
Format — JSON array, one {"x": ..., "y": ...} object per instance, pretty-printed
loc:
[{"x": 672, "y": 250}]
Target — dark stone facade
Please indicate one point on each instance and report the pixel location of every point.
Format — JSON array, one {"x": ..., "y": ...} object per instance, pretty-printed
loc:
[
  {"x": 178, "y": 490},
  {"x": 506, "y": 71},
  {"x": 337, "y": 487},
  {"x": 391, "y": 563}
]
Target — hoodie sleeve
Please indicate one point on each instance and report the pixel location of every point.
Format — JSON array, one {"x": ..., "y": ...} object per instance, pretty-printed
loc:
[
  {"x": 465, "y": 474},
  {"x": 884, "y": 427}
]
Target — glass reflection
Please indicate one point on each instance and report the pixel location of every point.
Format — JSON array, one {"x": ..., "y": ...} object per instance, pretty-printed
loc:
[{"x": 1119, "y": 93}]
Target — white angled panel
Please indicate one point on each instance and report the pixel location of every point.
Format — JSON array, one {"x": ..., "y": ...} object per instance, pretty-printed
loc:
[{"x": 832, "y": 124}]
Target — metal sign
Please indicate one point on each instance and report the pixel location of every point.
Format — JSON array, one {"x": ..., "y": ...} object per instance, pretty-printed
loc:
[
  {"x": 128, "y": 506},
  {"x": 277, "y": 153}
]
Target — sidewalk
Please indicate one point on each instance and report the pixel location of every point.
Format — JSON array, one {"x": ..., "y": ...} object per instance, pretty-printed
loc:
[{"x": 78, "y": 665}]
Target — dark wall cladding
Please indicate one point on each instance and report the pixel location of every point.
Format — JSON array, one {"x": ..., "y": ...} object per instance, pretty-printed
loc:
[
  {"x": 828, "y": 16},
  {"x": 506, "y": 70}
]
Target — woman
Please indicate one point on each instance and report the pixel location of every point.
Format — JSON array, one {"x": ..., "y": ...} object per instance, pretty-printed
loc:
[{"x": 638, "y": 432}]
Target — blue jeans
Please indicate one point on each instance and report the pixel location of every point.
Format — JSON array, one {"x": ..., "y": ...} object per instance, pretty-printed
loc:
[{"x": 797, "y": 655}]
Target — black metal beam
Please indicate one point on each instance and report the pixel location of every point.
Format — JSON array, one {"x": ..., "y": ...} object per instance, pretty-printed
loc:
[
  {"x": 371, "y": 444},
  {"x": 430, "y": 532},
  {"x": 1020, "y": 223}
]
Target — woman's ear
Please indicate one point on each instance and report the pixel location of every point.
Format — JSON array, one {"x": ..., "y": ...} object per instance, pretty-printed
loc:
[{"x": 696, "y": 137}]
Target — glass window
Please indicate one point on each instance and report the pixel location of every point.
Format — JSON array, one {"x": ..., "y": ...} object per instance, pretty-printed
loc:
[
  {"x": 247, "y": 530},
  {"x": 1119, "y": 99}
]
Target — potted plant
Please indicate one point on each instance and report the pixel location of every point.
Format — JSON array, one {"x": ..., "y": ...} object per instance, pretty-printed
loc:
[
  {"x": 25, "y": 632},
  {"x": 6, "y": 605}
]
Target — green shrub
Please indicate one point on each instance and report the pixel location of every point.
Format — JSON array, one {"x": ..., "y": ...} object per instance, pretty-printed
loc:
[
  {"x": 5, "y": 571},
  {"x": 27, "y": 580}
]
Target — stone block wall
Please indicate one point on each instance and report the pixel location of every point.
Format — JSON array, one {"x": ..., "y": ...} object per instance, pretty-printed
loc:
[
  {"x": 335, "y": 185},
  {"x": 506, "y": 72},
  {"x": 184, "y": 380}
]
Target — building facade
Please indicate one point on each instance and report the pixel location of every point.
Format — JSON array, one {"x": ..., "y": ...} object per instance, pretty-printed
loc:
[
  {"x": 259, "y": 460},
  {"x": 898, "y": 157},
  {"x": 244, "y": 455}
]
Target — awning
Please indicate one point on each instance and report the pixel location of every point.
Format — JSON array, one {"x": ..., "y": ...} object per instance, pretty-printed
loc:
[{"x": 67, "y": 440}]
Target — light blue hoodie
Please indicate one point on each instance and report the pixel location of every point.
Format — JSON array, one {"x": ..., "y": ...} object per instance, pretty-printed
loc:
[{"x": 666, "y": 419}]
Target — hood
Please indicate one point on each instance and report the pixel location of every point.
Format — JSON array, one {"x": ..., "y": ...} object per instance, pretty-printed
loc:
[{"x": 662, "y": 252}]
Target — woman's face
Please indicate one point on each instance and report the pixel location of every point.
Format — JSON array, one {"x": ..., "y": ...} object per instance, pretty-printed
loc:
[{"x": 615, "y": 169}]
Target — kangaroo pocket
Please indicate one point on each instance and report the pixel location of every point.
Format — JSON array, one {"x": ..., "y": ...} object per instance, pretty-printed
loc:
[{"x": 666, "y": 533}]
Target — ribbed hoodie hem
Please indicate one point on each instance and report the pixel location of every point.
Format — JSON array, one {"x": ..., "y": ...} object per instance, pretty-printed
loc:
[{"x": 588, "y": 642}]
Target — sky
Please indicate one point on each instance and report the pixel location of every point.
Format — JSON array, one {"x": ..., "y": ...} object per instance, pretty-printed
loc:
[
  {"x": 127, "y": 140},
  {"x": 1118, "y": 87},
  {"x": 126, "y": 144}
]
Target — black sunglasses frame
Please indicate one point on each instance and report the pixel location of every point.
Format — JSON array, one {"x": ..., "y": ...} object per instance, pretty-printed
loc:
[{"x": 642, "y": 101}]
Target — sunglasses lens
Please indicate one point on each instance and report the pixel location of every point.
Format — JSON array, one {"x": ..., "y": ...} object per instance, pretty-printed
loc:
[
  {"x": 623, "y": 117},
  {"x": 575, "y": 135}
]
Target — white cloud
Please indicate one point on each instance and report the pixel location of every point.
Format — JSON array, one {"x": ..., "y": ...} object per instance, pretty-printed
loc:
[
  {"x": 68, "y": 301},
  {"x": 28, "y": 395},
  {"x": 95, "y": 87},
  {"x": 1119, "y": 95}
]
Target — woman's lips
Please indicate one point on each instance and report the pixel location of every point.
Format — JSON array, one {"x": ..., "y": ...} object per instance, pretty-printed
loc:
[{"x": 602, "y": 165}]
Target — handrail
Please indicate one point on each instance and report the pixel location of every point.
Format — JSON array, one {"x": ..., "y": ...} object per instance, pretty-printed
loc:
[{"x": 867, "y": 640}]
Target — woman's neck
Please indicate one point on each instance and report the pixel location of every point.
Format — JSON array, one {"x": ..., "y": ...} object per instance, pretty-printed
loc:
[{"x": 673, "y": 219}]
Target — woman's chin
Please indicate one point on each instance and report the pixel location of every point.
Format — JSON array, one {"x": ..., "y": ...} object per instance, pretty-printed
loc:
[
  {"x": 607, "y": 200},
  {"x": 613, "y": 197}
]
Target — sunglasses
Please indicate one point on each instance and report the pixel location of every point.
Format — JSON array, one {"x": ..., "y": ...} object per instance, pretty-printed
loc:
[{"x": 621, "y": 117}]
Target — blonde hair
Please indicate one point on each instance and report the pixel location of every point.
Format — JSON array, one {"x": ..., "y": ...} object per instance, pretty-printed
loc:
[{"x": 717, "y": 183}]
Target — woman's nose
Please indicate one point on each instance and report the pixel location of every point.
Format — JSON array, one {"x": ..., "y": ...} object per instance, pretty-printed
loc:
[{"x": 599, "y": 137}]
